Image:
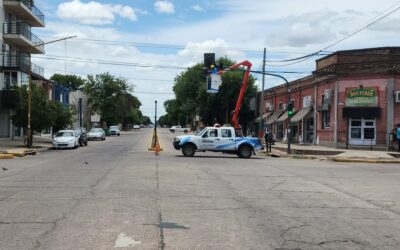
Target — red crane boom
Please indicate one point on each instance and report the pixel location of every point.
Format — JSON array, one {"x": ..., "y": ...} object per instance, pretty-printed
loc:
[{"x": 235, "y": 115}]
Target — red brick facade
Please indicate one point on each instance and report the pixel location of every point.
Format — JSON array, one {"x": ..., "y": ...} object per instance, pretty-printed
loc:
[{"x": 332, "y": 118}]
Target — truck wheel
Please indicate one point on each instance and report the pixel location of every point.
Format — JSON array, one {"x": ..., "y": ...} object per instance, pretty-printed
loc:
[
  {"x": 245, "y": 151},
  {"x": 188, "y": 150},
  {"x": 185, "y": 131}
]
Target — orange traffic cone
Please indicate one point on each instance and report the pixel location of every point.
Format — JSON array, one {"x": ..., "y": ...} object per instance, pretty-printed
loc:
[{"x": 157, "y": 149}]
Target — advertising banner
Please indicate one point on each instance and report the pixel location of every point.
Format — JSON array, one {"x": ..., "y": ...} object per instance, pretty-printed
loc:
[{"x": 213, "y": 83}]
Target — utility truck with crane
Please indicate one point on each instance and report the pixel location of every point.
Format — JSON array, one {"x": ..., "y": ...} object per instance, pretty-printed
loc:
[{"x": 222, "y": 139}]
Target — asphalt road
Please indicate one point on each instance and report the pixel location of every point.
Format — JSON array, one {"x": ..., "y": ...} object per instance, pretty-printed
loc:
[{"x": 117, "y": 195}]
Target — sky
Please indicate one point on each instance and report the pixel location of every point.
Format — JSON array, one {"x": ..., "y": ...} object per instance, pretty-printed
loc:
[{"x": 150, "y": 42}]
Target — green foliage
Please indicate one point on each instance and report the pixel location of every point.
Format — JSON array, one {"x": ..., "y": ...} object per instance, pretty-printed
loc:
[
  {"x": 146, "y": 120},
  {"x": 111, "y": 97},
  {"x": 44, "y": 113},
  {"x": 192, "y": 98},
  {"x": 61, "y": 117},
  {"x": 40, "y": 117},
  {"x": 72, "y": 81}
]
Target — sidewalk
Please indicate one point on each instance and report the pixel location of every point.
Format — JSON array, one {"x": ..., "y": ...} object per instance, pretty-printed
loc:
[
  {"x": 341, "y": 155},
  {"x": 11, "y": 148}
]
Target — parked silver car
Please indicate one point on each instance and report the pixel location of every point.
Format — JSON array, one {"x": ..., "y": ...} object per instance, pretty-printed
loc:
[
  {"x": 96, "y": 134},
  {"x": 65, "y": 139}
]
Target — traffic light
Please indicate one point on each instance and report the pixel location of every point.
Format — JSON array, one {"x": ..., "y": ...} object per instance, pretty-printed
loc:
[
  {"x": 290, "y": 109},
  {"x": 209, "y": 59}
]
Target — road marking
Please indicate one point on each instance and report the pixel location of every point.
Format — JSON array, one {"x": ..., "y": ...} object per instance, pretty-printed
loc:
[{"x": 124, "y": 241}]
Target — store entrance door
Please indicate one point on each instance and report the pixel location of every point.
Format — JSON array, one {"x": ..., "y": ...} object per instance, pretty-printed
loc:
[
  {"x": 308, "y": 130},
  {"x": 362, "y": 131}
]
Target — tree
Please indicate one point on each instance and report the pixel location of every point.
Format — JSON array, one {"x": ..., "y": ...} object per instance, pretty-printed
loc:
[
  {"x": 44, "y": 113},
  {"x": 191, "y": 97},
  {"x": 72, "y": 81},
  {"x": 111, "y": 97},
  {"x": 61, "y": 117},
  {"x": 146, "y": 120},
  {"x": 40, "y": 116}
]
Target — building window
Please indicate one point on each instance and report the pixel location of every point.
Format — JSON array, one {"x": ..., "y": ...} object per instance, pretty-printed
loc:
[
  {"x": 10, "y": 79},
  {"x": 280, "y": 106},
  {"x": 326, "y": 119},
  {"x": 226, "y": 133}
]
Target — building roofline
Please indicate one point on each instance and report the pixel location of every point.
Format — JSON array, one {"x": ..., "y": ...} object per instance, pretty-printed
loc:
[{"x": 340, "y": 52}]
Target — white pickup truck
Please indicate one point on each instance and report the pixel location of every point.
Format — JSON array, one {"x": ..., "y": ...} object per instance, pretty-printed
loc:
[
  {"x": 178, "y": 128},
  {"x": 217, "y": 139}
]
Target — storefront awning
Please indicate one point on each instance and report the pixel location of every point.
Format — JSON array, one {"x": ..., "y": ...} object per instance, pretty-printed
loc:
[
  {"x": 283, "y": 117},
  {"x": 272, "y": 118},
  {"x": 362, "y": 112},
  {"x": 300, "y": 115},
  {"x": 264, "y": 117}
]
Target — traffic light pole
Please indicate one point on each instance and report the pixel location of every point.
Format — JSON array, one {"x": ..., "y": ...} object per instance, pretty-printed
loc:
[{"x": 289, "y": 132}]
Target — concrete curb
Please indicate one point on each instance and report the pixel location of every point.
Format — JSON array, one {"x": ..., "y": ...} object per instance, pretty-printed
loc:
[
  {"x": 364, "y": 160},
  {"x": 26, "y": 152},
  {"x": 6, "y": 156}
]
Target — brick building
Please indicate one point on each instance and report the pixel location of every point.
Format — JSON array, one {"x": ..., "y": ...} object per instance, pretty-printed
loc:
[{"x": 351, "y": 99}]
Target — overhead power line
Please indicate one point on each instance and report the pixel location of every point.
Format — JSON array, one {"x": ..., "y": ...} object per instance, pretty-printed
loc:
[
  {"x": 129, "y": 64},
  {"x": 371, "y": 22},
  {"x": 177, "y": 46}
]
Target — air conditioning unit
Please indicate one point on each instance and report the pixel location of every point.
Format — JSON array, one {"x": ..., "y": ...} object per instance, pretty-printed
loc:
[
  {"x": 271, "y": 108},
  {"x": 328, "y": 93},
  {"x": 307, "y": 102},
  {"x": 397, "y": 96},
  {"x": 284, "y": 106}
]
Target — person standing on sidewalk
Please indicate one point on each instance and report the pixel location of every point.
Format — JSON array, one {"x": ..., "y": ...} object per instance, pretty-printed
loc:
[{"x": 398, "y": 137}]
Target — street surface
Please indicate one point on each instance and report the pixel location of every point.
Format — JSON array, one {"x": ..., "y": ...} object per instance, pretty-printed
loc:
[{"x": 117, "y": 195}]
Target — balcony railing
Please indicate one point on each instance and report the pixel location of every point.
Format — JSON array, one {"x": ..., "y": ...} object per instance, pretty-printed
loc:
[
  {"x": 29, "y": 4},
  {"x": 20, "y": 62},
  {"x": 19, "y": 28},
  {"x": 36, "y": 69},
  {"x": 16, "y": 61}
]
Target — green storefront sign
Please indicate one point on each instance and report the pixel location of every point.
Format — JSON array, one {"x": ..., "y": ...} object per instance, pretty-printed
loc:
[{"x": 362, "y": 97}]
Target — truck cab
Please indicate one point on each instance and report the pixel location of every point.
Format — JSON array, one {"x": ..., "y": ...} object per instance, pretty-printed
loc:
[{"x": 217, "y": 139}]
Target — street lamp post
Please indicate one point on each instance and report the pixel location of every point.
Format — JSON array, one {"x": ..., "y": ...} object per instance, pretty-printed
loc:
[
  {"x": 288, "y": 97},
  {"x": 261, "y": 125},
  {"x": 29, "y": 132}
]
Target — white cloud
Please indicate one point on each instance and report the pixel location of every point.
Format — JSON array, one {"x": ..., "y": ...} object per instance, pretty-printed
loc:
[
  {"x": 94, "y": 12},
  {"x": 195, "y": 51},
  {"x": 303, "y": 27},
  {"x": 164, "y": 6},
  {"x": 197, "y": 8}
]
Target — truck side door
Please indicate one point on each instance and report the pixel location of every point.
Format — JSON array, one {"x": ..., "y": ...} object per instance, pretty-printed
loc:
[
  {"x": 226, "y": 140},
  {"x": 209, "y": 139}
]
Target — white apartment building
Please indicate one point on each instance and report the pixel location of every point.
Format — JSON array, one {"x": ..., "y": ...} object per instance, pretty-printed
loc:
[{"x": 17, "y": 17}]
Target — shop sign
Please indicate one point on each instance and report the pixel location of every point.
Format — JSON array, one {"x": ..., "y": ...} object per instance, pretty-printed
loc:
[{"x": 362, "y": 97}]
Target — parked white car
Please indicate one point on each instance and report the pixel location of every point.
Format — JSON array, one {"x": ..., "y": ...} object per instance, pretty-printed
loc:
[
  {"x": 65, "y": 139},
  {"x": 96, "y": 134},
  {"x": 114, "y": 130}
]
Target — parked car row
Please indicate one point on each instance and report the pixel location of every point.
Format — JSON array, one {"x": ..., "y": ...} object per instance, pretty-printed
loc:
[{"x": 78, "y": 137}]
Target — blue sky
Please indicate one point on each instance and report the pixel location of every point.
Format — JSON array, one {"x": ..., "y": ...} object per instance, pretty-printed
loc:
[{"x": 135, "y": 32}]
